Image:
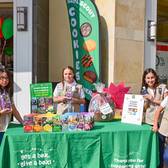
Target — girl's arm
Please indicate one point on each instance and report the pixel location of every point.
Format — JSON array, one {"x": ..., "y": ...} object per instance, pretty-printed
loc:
[
  {"x": 152, "y": 99},
  {"x": 157, "y": 101},
  {"x": 59, "y": 99},
  {"x": 5, "y": 111},
  {"x": 78, "y": 100},
  {"x": 63, "y": 99},
  {"x": 156, "y": 118},
  {"x": 81, "y": 98},
  {"x": 16, "y": 114},
  {"x": 148, "y": 97}
]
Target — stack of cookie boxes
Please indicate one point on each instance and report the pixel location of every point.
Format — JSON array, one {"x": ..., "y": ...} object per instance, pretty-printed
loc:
[
  {"x": 54, "y": 123},
  {"x": 77, "y": 121},
  {"x": 42, "y": 123}
]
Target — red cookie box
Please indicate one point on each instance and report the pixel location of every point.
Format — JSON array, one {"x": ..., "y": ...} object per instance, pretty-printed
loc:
[
  {"x": 28, "y": 128},
  {"x": 28, "y": 122}
]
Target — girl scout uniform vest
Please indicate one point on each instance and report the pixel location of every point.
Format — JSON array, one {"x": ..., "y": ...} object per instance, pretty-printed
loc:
[{"x": 150, "y": 111}]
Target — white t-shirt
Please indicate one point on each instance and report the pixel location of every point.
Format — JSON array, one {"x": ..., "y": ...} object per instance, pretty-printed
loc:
[{"x": 164, "y": 122}]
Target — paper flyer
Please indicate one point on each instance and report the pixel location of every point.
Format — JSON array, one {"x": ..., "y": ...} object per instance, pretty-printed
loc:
[{"x": 133, "y": 109}]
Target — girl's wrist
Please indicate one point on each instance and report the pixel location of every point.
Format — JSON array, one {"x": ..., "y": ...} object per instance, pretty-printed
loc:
[{"x": 152, "y": 99}]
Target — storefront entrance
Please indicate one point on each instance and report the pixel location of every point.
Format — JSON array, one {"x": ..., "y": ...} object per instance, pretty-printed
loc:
[
  {"x": 16, "y": 53},
  {"x": 162, "y": 41},
  {"x": 6, "y": 35},
  {"x": 25, "y": 55}
]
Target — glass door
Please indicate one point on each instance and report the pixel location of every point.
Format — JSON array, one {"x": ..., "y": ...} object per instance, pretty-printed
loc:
[
  {"x": 162, "y": 41},
  {"x": 6, "y": 35}
]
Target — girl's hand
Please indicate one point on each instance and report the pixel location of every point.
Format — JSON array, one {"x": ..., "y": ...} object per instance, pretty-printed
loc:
[
  {"x": 6, "y": 111},
  {"x": 68, "y": 98},
  {"x": 60, "y": 99},
  {"x": 148, "y": 97},
  {"x": 63, "y": 99},
  {"x": 155, "y": 128}
]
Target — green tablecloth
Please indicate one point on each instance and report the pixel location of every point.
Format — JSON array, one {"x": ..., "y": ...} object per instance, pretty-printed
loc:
[{"x": 108, "y": 145}]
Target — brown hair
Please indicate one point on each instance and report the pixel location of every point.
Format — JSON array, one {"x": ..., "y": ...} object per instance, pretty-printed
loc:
[
  {"x": 68, "y": 67},
  {"x": 7, "y": 88},
  {"x": 147, "y": 71}
]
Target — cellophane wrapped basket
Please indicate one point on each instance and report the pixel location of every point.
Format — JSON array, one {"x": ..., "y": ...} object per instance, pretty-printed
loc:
[{"x": 101, "y": 105}]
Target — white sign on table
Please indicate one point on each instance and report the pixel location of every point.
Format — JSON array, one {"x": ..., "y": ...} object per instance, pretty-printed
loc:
[{"x": 133, "y": 109}]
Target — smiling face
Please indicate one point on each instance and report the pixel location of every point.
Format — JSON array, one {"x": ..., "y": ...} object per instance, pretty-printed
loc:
[
  {"x": 68, "y": 75},
  {"x": 4, "y": 79},
  {"x": 150, "y": 80}
]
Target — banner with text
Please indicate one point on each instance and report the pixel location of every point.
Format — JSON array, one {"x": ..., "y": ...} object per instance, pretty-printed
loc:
[{"x": 84, "y": 26}]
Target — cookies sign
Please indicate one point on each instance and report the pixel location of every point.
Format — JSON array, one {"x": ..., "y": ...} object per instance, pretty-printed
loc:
[{"x": 84, "y": 25}]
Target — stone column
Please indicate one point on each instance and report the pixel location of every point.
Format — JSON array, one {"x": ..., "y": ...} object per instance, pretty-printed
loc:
[{"x": 122, "y": 41}]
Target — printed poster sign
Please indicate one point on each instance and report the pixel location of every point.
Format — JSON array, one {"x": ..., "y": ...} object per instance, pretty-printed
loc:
[
  {"x": 84, "y": 26},
  {"x": 41, "y": 97},
  {"x": 133, "y": 109}
]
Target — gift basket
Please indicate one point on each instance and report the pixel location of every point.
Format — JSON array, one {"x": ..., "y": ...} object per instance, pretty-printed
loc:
[
  {"x": 106, "y": 103},
  {"x": 101, "y": 104}
]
